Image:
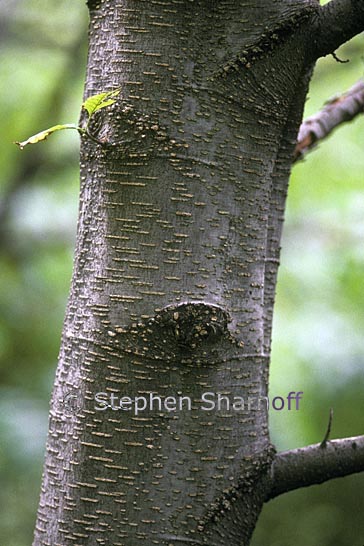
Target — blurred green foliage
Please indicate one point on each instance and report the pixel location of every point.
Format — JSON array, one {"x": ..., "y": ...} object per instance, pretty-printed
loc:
[
  {"x": 318, "y": 343},
  {"x": 42, "y": 58}
]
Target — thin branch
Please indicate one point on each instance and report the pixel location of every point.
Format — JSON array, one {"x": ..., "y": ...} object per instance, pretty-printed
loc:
[
  {"x": 337, "y": 111},
  {"x": 338, "y": 21},
  {"x": 316, "y": 464},
  {"x": 328, "y": 430}
]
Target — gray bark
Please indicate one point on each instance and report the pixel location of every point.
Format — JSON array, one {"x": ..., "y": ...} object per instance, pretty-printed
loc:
[
  {"x": 321, "y": 462},
  {"x": 173, "y": 285}
]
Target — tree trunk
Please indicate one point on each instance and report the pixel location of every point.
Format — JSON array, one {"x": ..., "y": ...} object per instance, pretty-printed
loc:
[{"x": 178, "y": 244}]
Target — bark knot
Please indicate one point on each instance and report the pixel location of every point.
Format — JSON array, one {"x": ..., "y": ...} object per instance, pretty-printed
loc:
[
  {"x": 190, "y": 333},
  {"x": 194, "y": 323}
]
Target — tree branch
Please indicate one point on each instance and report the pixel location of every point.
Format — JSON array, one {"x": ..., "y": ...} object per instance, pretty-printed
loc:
[
  {"x": 339, "y": 20},
  {"x": 316, "y": 464},
  {"x": 338, "y": 110}
]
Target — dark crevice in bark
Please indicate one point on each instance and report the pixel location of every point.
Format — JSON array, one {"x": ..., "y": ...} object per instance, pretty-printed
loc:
[{"x": 94, "y": 4}]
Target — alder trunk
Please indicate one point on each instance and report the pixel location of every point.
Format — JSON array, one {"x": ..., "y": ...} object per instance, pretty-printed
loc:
[{"x": 178, "y": 243}]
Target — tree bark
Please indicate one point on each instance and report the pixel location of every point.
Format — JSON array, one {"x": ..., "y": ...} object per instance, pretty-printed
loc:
[
  {"x": 316, "y": 464},
  {"x": 173, "y": 286}
]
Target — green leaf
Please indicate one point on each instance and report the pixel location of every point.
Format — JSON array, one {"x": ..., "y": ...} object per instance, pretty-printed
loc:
[
  {"x": 96, "y": 102},
  {"x": 92, "y": 104},
  {"x": 43, "y": 135}
]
